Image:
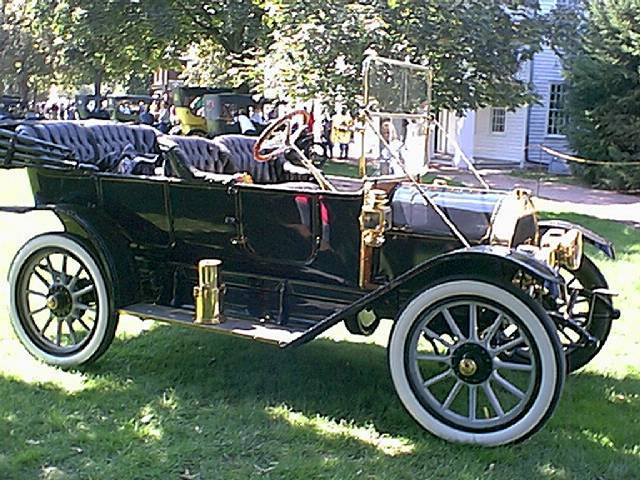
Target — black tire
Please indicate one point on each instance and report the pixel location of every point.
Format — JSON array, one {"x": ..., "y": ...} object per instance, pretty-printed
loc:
[
  {"x": 43, "y": 296},
  {"x": 590, "y": 277},
  {"x": 514, "y": 310}
]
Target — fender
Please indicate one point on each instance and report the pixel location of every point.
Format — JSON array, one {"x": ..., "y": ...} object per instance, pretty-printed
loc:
[
  {"x": 499, "y": 262},
  {"x": 105, "y": 240},
  {"x": 593, "y": 238}
]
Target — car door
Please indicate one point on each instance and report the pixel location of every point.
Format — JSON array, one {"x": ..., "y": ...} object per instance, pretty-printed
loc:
[
  {"x": 138, "y": 205},
  {"x": 204, "y": 219},
  {"x": 279, "y": 225}
]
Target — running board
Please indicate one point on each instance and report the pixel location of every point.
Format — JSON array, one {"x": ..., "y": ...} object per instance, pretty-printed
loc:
[{"x": 253, "y": 330}]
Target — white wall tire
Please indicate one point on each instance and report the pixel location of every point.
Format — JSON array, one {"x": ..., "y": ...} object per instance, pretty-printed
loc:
[
  {"x": 75, "y": 322},
  {"x": 544, "y": 374}
]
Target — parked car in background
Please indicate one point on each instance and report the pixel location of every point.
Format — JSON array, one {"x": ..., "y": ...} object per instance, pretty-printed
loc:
[{"x": 206, "y": 111}]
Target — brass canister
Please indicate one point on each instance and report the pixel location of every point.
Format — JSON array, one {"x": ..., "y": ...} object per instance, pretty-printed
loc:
[{"x": 208, "y": 293}]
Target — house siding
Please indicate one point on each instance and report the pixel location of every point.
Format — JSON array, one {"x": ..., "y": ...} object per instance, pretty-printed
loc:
[
  {"x": 547, "y": 69},
  {"x": 507, "y": 146},
  {"x": 526, "y": 127}
]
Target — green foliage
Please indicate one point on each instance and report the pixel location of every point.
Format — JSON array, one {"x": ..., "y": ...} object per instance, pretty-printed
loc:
[
  {"x": 116, "y": 40},
  {"x": 474, "y": 47},
  {"x": 604, "y": 98},
  {"x": 25, "y": 63}
]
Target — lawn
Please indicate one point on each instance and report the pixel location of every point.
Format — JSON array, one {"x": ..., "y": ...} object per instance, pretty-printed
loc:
[{"x": 170, "y": 403}]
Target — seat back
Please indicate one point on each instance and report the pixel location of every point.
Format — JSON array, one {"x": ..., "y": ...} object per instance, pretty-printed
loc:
[
  {"x": 110, "y": 139},
  {"x": 238, "y": 149},
  {"x": 202, "y": 154},
  {"x": 69, "y": 134}
]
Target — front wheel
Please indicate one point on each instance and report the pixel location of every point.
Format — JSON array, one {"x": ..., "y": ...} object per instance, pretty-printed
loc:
[
  {"x": 59, "y": 301},
  {"x": 447, "y": 359}
]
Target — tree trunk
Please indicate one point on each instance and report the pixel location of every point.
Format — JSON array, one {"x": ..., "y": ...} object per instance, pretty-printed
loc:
[{"x": 97, "y": 83}]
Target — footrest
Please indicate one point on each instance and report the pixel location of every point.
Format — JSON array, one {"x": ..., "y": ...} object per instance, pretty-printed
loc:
[{"x": 264, "y": 332}]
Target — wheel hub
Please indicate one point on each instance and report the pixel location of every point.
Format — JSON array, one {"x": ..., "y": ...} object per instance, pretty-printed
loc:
[
  {"x": 59, "y": 301},
  {"x": 472, "y": 363}
]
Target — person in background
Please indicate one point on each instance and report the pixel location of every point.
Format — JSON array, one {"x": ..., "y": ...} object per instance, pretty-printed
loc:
[
  {"x": 327, "y": 144},
  {"x": 312, "y": 119},
  {"x": 391, "y": 150},
  {"x": 163, "y": 117},
  {"x": 341, "y": 131},
  {"x": 154, "y": 108},
  {"x": 246, "y": 125},
  {"x": 144, "y": 117},
  {"x": 257, "y": 115},
  {"x": 71, "y": 112}
]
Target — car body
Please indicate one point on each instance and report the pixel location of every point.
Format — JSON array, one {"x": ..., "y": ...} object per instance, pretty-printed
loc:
[{"x": 196, "y": 232}]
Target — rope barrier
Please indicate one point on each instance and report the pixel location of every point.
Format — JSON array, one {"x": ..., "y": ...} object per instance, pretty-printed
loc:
[{"x": 584, "y": 161}]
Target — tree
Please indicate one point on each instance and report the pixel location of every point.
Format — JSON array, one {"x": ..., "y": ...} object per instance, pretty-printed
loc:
[
  {"x": 25, "y": 56},
  {"x": 475, "y": 47},
  {"x": 603, "y": 101},
  {"x": 116, "y": 40}
]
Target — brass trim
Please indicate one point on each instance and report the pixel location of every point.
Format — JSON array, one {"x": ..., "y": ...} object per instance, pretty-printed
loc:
[{"x": 375, "y": 220}]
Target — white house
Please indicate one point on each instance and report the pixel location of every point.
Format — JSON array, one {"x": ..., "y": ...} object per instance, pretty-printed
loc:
[{"x": 496, "y": 135}]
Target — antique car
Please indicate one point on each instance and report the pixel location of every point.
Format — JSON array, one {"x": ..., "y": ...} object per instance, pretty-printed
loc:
[
  {"x": 208, "y": 111},
  {"x": 491, "y": 307},
  {"x": 120, "y": 108},
  {"x": 126, "y": 108}
]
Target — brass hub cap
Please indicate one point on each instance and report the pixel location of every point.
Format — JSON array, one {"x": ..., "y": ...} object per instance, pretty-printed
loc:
[
  {"x": 52, "y": 303},
  {"x": 59, "y": 301},
  {"x": 467, "y": 367},
  {"x": 472, "y": 363}
]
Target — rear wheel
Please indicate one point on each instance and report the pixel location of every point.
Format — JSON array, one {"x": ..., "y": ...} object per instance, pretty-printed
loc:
[
  {"x": 59, "y": 301},
  {"x": 446, "y": 356}
]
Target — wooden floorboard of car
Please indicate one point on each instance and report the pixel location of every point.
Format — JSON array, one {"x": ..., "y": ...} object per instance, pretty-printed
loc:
[{"x": 260, "y": 331}]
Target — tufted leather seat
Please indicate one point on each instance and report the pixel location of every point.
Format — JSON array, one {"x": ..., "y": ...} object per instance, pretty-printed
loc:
[
  {"x": 110, "y": 139},
  {"x": 202, "y": 154},
  {"x": 238, "y": 149},
  {"x": 195, "y": 157},
  {"x": 68, "y": 134},
  {"x": 94, "y": 142}
]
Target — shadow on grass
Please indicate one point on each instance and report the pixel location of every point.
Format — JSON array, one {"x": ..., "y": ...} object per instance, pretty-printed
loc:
[{"x": 171, "y": 401}]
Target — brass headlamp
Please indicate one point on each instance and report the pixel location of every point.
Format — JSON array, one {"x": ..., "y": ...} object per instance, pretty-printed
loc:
[
  {"x": 562, "y": 248},
  {"x": 375, "y": 219}
]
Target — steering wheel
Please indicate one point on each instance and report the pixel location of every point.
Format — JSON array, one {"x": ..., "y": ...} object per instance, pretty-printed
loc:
[{"x": 280, "y": 135}]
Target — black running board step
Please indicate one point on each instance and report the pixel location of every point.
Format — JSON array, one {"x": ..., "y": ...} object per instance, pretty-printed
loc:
[{"x": 253, "y": 330}]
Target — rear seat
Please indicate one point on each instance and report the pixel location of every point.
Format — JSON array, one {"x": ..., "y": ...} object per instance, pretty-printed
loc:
[
  {"x": 68, "y": 134},
  {"x": 110, "y": 139},
  {"x": 94, "y": 142}
]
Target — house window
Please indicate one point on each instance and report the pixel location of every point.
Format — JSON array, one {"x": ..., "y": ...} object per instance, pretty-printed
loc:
[
  {"x": 557, "y": 117},
  {"x": 498, "y": 119}
]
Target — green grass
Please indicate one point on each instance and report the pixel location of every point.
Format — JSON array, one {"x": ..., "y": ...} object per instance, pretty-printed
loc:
[
  {"x": 344, "y": 169},
  {"x": 170, "y": 403}
]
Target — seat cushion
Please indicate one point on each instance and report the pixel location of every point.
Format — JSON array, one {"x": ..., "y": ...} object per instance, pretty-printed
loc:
[{"x": 69, "y": 134}]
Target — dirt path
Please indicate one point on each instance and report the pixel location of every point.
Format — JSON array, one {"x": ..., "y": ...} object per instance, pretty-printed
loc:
[{"x": 562, "y": 197}]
